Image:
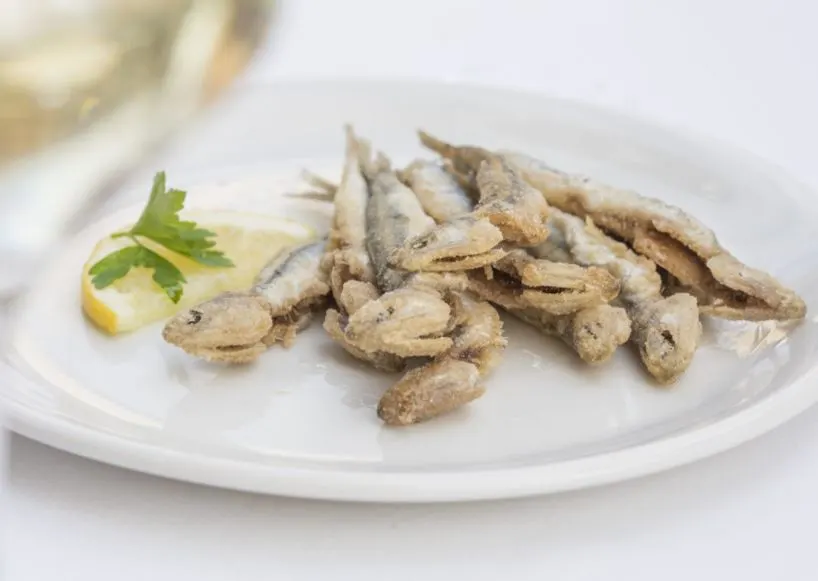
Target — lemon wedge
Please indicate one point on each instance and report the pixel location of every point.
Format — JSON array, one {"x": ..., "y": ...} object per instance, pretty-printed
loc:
[{"x": 135, "y": 300}]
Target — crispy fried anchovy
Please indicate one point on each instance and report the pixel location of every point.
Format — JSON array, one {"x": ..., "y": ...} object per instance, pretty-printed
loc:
[
  {"x": 452, "y": 379},
  {"x": 237, "y": 327},
  {"x": 666, "y": 330},
  {"x": 674, "y": 240}
]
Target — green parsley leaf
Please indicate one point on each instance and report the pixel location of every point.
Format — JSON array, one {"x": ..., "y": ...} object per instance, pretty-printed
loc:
[
  {"x": 160, "y": 223},
  {"x": 119, "y": 263},
  {"x": 165, "y": 273},
  {"x": 211, "y": 258},
  {"x": 114, "y": 266}
]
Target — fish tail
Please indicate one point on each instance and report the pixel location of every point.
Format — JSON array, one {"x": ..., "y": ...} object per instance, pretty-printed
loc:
[
  {"x": 438, "y": 146},
  {"x": 323, "y": 186}
]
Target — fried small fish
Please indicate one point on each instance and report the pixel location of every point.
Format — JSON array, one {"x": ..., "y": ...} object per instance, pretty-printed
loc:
[
  {"x": 335, "y": 324},
  {"x": 593, "y": 333},
  {"x": 460, "y": 241},
  {"x": 410, "y": 318},
  {"x": 522, "y": 281},
  {"x": 237, "y": 327},
  {"x": 463, "y": 162},
  {"x": 510, "y": 203},
  {"x": 407, "y": 322},
  {"x": 463, "y": 241},
  {"x": 348, "y": 259},
  {"x": 438, "y": 192},
  {"x": 666, "y": 330},
  {"x": 677, "y": 242},
  {"x": 452, "y": 379},
  {"x": 504, "y": 197},
  {"x": 394, "y": 215}
]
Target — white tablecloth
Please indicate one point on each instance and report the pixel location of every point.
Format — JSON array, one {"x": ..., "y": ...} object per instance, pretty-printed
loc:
[{"x": 744, "y": 71}]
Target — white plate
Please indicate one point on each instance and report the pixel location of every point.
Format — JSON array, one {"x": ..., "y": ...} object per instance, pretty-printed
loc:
[{"x": 302, "y": 422}]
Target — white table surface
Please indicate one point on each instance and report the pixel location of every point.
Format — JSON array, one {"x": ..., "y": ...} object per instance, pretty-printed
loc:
[{"x": 744, "y": 71}]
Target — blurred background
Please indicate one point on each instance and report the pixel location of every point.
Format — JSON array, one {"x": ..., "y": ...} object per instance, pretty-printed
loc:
[{"x": 736, "y": 69}]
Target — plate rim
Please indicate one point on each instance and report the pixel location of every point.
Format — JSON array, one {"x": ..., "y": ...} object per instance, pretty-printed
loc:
[
  {"x": 442, "y": 486},
  {"x": 461, "y": 486}
]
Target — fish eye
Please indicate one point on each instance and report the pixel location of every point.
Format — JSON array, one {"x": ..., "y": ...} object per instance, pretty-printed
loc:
[
  {"x": 422, "y": 243},
  {"x": 195, "y": 317},
  {"x": 388, "y": 312}
]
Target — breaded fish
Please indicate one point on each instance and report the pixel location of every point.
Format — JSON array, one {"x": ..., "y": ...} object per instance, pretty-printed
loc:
[
  {"x": 594, "y": 333},
  {"x": 237, "y": 327},
  {"x": 522, "y": 281},
  {"x": 665, "y": 330},
  {"x": 452, "y": 379},
  {"x": 507, "y": 200},
  {"x": 673, "y": 239},
  {"x": 461, "y": 240},
  {"x": 411, "y": 317}
]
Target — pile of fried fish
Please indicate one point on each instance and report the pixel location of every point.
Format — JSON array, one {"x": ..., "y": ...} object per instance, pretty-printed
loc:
[{"x": 418, "y": 259}]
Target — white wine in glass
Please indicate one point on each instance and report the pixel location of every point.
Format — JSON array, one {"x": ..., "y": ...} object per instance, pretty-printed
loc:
[{"x": 87, "y": 87}]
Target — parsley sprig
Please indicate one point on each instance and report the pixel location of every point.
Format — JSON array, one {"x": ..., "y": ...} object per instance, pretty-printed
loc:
[{"x": 160, "y": 223}]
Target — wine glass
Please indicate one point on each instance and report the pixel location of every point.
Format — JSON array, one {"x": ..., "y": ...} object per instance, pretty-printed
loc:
[{"x": 87, "y": 89}]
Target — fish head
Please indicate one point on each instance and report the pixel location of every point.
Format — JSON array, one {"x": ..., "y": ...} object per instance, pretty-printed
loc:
[
  {"x": 230, "y": 327},
  {"x": 668, "y": 335},
  {"x": 406, "y": 321},
  {"x": 464, "y": 243},
  {"x": 429, "y": 391}
]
